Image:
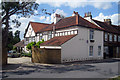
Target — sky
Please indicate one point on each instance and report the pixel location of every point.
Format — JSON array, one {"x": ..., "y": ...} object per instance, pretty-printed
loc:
[{"x": 99, "y": 10}]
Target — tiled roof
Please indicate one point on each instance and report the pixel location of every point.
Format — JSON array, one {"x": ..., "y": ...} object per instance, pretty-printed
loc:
[
  {"x": 20, "y": 44},
  {"x": 38, "y": 26},
  {"x": 107, "y": 27},
  {"x": 117, "y": 27},
  {"x": 71, "y": 21},
  {"x": 57, "y": 41},
  {"x": 65, "y": 22}
]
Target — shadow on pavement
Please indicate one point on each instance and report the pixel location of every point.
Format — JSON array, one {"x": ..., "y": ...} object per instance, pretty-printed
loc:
[{"x": 28, "y": 68}]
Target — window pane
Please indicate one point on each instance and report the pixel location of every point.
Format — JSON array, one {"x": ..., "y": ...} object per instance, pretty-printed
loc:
[
  {"x": 99, "y": 50},
  {"x": 115, "y": 38},
  {"x": 118, "y": 38},
  {"x": 91, "y": 34},
  {"x": 106, "y": 36},
  {"x": 75, "y": 32},
  {"x": 71, "y": 32},
  {"x": 91, "y": 51},
  {"x": 110, "y": 37}
]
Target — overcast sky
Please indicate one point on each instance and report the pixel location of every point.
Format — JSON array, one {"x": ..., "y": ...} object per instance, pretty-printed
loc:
[{"x": 100, "y": 11}]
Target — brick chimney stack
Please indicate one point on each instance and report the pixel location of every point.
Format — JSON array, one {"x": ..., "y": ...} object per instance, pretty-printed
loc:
[
  {"x": 77, "y": 19},
  {"x": 57, "y": 18},
  {"x": 108, "y": 21}
]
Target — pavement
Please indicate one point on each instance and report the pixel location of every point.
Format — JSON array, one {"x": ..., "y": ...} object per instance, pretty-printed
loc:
[{"x": 23, "y": 68}]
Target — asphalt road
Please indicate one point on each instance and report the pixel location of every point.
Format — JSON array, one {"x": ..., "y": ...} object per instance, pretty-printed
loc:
[{"x": 87, "y": 69}]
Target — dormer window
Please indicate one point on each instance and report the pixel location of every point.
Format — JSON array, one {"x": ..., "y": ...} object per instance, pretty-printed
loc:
[{"x": 91, "y": 34}]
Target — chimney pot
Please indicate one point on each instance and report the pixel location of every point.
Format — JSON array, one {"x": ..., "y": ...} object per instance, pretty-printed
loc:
[
  {"x": 74, "y": 13},
  {"x": 108, "y": 21},
  {"x": 88, "y": 14}
]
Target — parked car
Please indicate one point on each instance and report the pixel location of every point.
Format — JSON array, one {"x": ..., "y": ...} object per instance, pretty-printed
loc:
[{"x": 13, "y": 53}]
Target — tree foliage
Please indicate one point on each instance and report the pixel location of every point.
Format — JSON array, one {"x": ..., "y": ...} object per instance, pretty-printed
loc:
[
  {"x": 16, "y": 37},
  {"x": 10, "y": 41},
  {"x": 13, "y": 39},
  {"x": 21, "y": 9}
]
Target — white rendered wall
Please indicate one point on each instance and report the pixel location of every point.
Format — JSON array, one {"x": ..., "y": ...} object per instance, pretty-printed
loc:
[
  {"x": 77, "y": 48},
  {"x": 32, "y": 32}
]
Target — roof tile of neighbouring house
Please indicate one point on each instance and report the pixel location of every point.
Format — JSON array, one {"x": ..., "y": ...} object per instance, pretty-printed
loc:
[
  {"x": 71, "y": 21},
  {"x": 117, "y": 27},
  {"x": 20, "y": 44},
  {"x": 107, "y": 27},
  {"x": 57, "y": 41}
]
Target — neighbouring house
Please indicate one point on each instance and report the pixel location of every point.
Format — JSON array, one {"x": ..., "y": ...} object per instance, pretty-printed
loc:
[
  {"x": 77, "y": 38},
  {"x": 111, "y": 36},
  {"x": 19, "y": 46}
]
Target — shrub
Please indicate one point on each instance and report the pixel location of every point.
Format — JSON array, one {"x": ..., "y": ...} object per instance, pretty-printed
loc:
[
  {"x": 14, "y": 48},
  {"x": 38, "y": 43},
  {"x": 29, "y": 46}
]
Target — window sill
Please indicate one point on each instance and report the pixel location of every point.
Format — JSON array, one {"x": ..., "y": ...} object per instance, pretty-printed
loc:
[{"x": 92, "y": 40}]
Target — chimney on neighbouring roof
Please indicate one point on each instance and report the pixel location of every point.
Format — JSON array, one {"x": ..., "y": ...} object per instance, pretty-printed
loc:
[
  {"x": 77, "y": 19},
  {"x": 74, "y": 13},
  {"x": 57, "y": 18},
  {"x": 88, "y": 15},
  {"x": 108, "y": 21}
]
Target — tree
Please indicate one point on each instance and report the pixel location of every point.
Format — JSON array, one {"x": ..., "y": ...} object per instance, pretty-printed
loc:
[
  {"x": 22, "y": 9},
  {"x": 16, "y": 38},
  {"x": 10, "y": 41}
]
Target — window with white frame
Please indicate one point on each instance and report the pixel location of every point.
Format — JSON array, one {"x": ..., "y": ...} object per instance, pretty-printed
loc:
[
  {"x": 40, "y": 37},
  {"x": 33, "y": 39},
  {"x": 75, "y": 32},
  {"x": 110, "y": 37},
  {"x": 119, "y": 38},
  {"x": 99, "y": 50},
  {"x": 56, "y": 34},
  {"x": 91, "y": 34},
  {"x": 60, "y": 34},
  {"x": 65, "y": 33},
  {"x": 115, "y": 38},
  {"x": 68, "y": 32},
  {"x": 91, "y": 51},
  {"x": 29, "y": 39},
  {"x": 71, "y": 32},
  {"x": 117, "y": 50},
  {"x": 106, "y": 36},
  {"x": 50, "y": 35}
]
